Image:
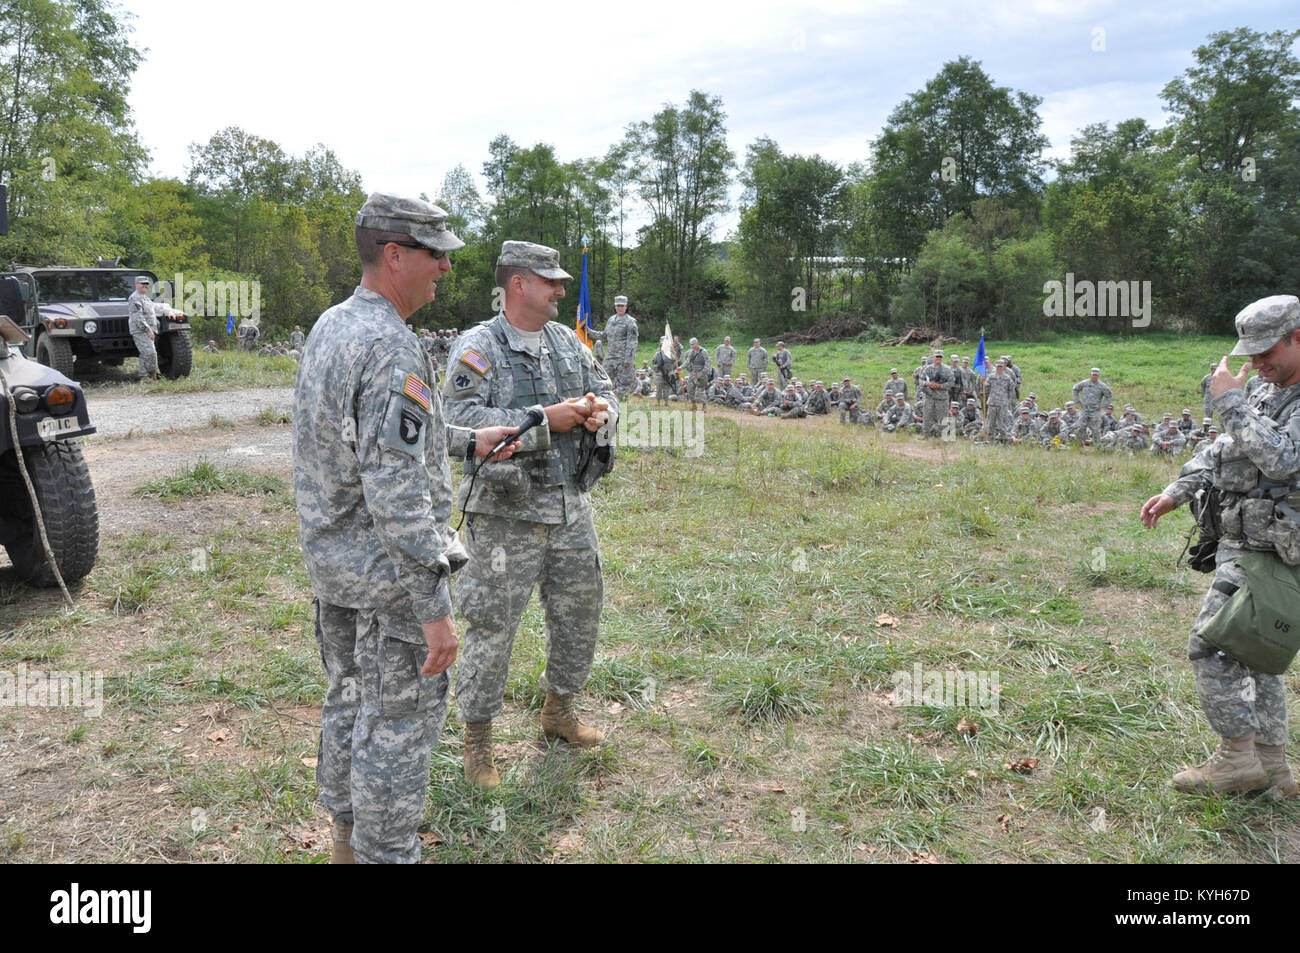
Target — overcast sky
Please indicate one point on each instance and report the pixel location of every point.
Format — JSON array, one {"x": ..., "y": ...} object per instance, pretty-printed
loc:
[{"x": 402, "y": 90}]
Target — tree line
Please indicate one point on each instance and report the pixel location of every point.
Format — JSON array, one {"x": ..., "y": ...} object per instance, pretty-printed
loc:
[{"x": 955, "y": 219}]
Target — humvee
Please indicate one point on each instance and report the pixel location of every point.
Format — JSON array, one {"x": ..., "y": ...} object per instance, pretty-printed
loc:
[{"x": 78, "y": 316}]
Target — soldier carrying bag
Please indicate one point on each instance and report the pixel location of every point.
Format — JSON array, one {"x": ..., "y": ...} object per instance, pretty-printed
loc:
[{"x": 1259, "y": 625}]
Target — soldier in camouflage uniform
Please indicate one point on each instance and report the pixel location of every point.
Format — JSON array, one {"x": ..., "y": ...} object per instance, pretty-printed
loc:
[
  {"x": 895, "y": 384},
  {"x": 1054, "y": 432},
  {"x": 791, "y": 405},
  {"x": 1168, "y": 441},
  {"x": 898, "y": 416},
  {"x": 972, "y": 421},
  {"x": 696, "y": 368},
  {"x": 725, "y": 357},
  {"x": 373, "y": 491},
  {"x": 1257, "y": 471},
  {"x": 784, "y": 362},
  {"x": 620, "y": 347},
  {"x": 1205, "y": 389},
  {"x": 1000, "y": 390},
  {"x": 850, "y": 402},
  {"x": 143, "y": 327},
  {"x": 530, "y": 519},
  {"x": 933, "y": 387},
  {"x": 1026, "y": 429},
  {"x": 818, "y": 401},
  {"x": 1091, "y": 394},
  {"x": 756, "y": 361},
  {"x": 767, "y": 399},
  {"x": 297, "y": 339}
]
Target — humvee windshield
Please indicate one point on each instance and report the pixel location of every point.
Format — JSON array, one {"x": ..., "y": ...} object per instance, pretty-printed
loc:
[{"x": 85, "y": 286}]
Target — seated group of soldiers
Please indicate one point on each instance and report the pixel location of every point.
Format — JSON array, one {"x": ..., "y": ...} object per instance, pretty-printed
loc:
[{"x": 953, "y": 401}]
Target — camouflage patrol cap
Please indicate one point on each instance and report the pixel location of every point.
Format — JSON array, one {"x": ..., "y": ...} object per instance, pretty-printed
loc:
[
  {"x": 1035, "y": 397},
  {"x": 1262, "y": 323},
  {"x": 970, "y": 400},
  {"x": 1069, "y": 404},
  {"x": 1137, "y": 427},
  {"x": 620, "y": 299},
  {"x": 1187, "y": 412},
  {"x": 539, "y": 259},
  {"x": 1023, "y": 410},
  {"x": 1167, "y": 416},
  {"x": 141, "y": 279},
  {"x": 954, "y": 404},
  {"x": 893, "y": 370},
  {"x": 1206, "y": 420},
  {"x": 422, "y": 220},
  {"x": 1212, "y": 428},
  {"x": 1095, "y": 370},
  {"x": 938, "y": 353},
  {"x": 1054, "y": 412}
]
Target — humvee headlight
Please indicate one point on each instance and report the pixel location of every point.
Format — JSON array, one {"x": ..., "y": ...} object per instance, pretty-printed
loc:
[
  {"x": 25, "y": 399},
  {"x": 60, "y": 399},
  {"x": 90, "y": 327}
]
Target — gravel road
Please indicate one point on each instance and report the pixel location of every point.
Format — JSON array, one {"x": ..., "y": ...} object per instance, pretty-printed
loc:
[{"x": 119, "y": 416}]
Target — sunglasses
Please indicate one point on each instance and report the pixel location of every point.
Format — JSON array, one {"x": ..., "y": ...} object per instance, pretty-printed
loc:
[{"x": 437, "y": 253}]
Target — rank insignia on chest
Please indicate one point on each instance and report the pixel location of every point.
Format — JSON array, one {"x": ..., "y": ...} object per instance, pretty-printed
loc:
[
  {"x": 418, "y": 391},
  {"x": 477, "y": 361},
  {"x": 410, "y": 427}
]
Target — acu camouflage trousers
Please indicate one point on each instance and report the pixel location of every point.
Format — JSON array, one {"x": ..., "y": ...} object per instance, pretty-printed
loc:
[
  {"x": 148, "y": 354},
  {"x": 1236, "y": 700},
  {"x": 379, "y": 724},
  {"x": 506, "y": 558}
]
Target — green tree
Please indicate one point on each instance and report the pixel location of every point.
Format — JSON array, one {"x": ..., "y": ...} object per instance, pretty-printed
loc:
[
  {"x": 957, "y": 140},
  {"x": 66, "y": 137},
  {"x": 685, "y": 163}
]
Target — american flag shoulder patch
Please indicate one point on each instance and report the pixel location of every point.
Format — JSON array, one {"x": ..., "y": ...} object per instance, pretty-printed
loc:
[
  {"x": 418, "y": 391},
  {"x": 477, "y": 361}
]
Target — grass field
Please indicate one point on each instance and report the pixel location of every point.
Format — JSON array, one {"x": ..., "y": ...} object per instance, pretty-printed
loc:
[{"x": 762, "y": 601}]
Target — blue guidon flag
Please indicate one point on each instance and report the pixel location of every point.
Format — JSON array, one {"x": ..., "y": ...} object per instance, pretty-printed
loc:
[
  {"x": 230, "y": 323},
  {"x": 582, "y": 326},
  {"x": 981, "y": 359}
]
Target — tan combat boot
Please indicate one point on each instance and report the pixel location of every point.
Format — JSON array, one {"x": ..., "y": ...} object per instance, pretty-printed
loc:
[
  {"x": 1233, "y": 768},
  {"x": 1273, "y": 760},
  {"x": 559, "y": 720},
  {"x": 341, "y": 852},
  {"x": 480, "y": 769}
]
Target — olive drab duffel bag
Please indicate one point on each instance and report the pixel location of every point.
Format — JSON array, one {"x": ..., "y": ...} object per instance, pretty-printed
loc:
[{"x": 1259, "y": 625}]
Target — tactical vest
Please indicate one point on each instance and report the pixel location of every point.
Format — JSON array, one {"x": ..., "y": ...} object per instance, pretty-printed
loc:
[
  {"x": 1257, "y": 511},
  {"x": 558, "y": 464}
]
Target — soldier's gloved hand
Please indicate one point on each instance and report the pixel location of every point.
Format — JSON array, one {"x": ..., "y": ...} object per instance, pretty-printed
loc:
[
  {"x": 567, "y": 414},
  {"x": 440, "y": 636}
]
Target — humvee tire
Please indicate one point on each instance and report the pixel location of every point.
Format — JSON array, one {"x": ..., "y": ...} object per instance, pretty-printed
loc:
[
  {"x": 67, "y": 499},
  {"x": 175, "y": 354},
  {"x": 56, "y": 353}
]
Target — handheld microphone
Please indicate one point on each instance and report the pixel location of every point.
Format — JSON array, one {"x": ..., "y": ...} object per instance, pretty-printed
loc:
[{"x": 534, "y": 418}]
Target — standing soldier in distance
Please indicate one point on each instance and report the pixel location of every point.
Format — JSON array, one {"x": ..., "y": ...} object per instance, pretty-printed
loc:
[
  {"x": 725, "y": 357},
  {"x": 1091, "y": 394},
  {"x": 142, "y": 323},
  {"x": 620, "y": 341},
  {"x": 756, "y": 361},
  {"x": 530, "y": 519},
  {"x": 1245, "y": 707},
  {"x": 784, "y": 365}
]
